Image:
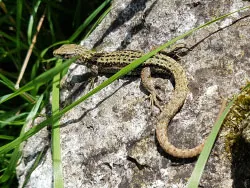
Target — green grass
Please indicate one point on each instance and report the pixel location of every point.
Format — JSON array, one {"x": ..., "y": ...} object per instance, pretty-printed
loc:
[
  {"x": 18, "y": 26},
  {"x": 20, "y": 106}
]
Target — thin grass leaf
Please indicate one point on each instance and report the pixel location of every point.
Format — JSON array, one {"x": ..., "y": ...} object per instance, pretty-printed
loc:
[
  {"x": 11, "y": 120},
  {"x": 51, "y": 24},
  {"x": 29, "y": 52},
  {"x": 9, "y": 53},
  {"x": 8, "y": 173},
  {"x": 88, "y": 20},
  {"x": 81, "y": 28},
  {"x": 6, "y": 148},
  {"x": 34, "y": 70},
  {"x": 41, "y": 56},
  {"x": 53, "y": 45},
  {"x": 12, "y": 39},
  {"x": 56, "y": 146},
  {"x": 38, "y": 159},
  {"x": 6, "y": 137},
  {"x": 200, "y": 165},
  {"x": 5, "y": 81},
  {"x": 31, "y": 21},
  {"x": 97, "y": 22},
  {"x": 8, "y": 74},
  {"x": 35, "y": 109},
  {"x": 77, "y": 13},
  {"x": 40, "y": 80},
  {"x": 18, "y": 25}
]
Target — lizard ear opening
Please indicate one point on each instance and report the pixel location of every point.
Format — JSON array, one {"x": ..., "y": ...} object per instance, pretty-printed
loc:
[{"x": 79, "y": 50}]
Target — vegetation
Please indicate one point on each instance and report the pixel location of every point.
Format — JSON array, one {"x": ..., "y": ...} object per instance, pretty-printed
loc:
[{"x": 29, "y": 32}]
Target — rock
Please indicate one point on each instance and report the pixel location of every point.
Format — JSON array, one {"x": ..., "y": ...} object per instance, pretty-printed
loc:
[{"x": 109, "y": 140}]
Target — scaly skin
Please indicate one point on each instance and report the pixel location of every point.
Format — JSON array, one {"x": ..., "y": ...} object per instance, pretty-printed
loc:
[{"x": 110, "y": 62}]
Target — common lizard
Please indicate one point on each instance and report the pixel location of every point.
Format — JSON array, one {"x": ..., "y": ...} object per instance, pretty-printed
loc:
[{"x": 111, "y": 62}]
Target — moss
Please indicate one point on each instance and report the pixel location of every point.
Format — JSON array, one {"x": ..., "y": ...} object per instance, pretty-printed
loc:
[{"x": 235, "y": 121}]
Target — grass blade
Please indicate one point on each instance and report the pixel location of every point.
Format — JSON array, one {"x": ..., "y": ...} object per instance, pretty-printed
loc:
[
  {"x": 88, "y": 20},
  {"x": 31, "y": 21},
  {"x": 200, "y": 165},
  {"x": 56, "y": 147},
  {"x": 18, "y": 25},
  {"x": 41, "y": 79},
  {"x": 97, "y": 22},
  {"x": 9, "y": 172},
  {"x": 4, "y": 80}
]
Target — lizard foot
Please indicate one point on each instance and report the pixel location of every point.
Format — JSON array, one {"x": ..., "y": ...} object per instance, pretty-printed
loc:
[
  {"x": 154, "y": 101},
  {"x": 92, "y": 81},
  {"x": 149, "y": 84}
]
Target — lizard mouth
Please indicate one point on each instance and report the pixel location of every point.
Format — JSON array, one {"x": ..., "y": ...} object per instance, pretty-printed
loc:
[{"x": 64, "y": 56}]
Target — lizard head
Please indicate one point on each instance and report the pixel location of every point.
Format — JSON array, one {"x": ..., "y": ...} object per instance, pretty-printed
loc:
[{"x": 68, "y": 51}]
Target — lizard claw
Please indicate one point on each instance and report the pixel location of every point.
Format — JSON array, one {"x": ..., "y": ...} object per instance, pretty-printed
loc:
[
  {"x": 92, "y": 81},
  {"x": 154, "y": 102}
]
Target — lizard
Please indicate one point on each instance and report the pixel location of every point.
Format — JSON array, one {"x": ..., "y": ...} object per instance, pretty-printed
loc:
[{"x": 111, "y": 62}]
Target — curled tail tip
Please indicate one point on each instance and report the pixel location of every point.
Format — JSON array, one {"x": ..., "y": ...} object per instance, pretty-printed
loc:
[
  {"x": 183, "y": 153},
  {"x": 174, "y": 151}
]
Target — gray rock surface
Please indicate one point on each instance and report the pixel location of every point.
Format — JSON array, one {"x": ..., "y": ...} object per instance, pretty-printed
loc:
[{"x": 109, "y": 140}]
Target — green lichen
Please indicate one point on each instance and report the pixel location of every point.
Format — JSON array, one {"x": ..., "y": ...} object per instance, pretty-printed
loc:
[{"x": 238, "y": 120}]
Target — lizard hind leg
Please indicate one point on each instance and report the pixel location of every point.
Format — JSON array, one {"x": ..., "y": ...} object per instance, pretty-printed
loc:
[{"x": 149, "y": 85}]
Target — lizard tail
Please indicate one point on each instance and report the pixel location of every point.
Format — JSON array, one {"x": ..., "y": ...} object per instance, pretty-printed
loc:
[
  {"x": 170, "y": 110},
  {"x": 161, "y": 133},
  {"x": 162, "y": 128}
]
